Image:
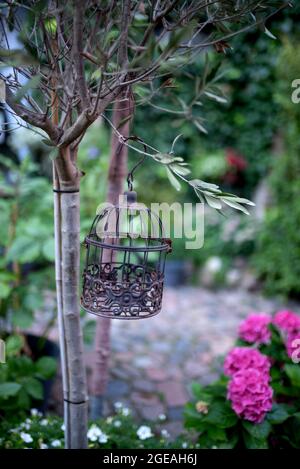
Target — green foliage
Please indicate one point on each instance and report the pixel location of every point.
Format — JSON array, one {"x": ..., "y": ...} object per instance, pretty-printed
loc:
[
  {"x": 26, "y": 239},
  {"x": 280, "y": 268},
  {"x": 21, "y": 379},
  {"x": 119, "y": 431}
]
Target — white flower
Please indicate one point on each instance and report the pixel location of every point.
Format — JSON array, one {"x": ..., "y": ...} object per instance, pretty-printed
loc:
[
  {"x": 125, "y": 411},
  {"x": 26, "y": 424},
  {"x": 26, "y": 437},
  {"x": 118, "y": 405},
  {"x": 214, "y": 264},
  {"x": 94, "y": 433},
  {"x": 43, "y": 446},
  {"x": 165, "y": 433},
  {"x": 184, "y": 444},
  {"x": 109, "y": 420},
  {"x": 35, "y": 413},
  {"x": 63, "y": 427},
  {"x": 103, "y": 438},
  {"x": 162, "y": 417},
  {"x": 56, "y": 443},
  {"x": 144, "y": 432},
  {"x": 44, "y": 422},
  {"x": 117, "y": 423}
]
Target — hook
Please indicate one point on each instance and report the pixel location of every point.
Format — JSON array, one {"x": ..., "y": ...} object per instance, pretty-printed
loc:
[{"x": 130, "y": 175}]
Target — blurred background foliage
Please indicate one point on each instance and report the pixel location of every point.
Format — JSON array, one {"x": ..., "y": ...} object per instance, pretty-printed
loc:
[{"x": 242, "y": 133}]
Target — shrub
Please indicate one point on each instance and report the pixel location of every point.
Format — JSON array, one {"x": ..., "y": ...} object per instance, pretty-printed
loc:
[
  {"x": 255, "y": 403},
  {"x": 21, "y": 379},
  {"x": 280, "y": 266}
]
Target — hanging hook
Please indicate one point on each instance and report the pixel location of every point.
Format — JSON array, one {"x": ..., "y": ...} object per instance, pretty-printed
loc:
[{"x": 130, "y": 174}]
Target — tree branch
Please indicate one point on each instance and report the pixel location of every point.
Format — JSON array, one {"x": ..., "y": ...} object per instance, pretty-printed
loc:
[
  {"x": 77, "y": 52},
  {"x": 33, "y": 118},
  {"x": 122, "y": 53}
]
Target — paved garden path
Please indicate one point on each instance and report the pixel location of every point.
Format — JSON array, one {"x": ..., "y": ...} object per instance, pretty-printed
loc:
[{"x": 154, "y": 360}]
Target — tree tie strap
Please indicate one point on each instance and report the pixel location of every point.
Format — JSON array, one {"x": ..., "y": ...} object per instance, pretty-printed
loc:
[
  {"x": 66, "y": 191},
  {"x": 75, "y": 403}
]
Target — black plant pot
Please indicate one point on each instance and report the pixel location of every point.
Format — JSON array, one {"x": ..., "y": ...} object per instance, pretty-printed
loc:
[{"x": 42, "y": 347}]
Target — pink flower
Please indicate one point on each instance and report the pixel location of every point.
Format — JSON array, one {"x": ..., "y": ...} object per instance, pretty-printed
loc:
[
  {"x": 293, "y": 346},
  {"x": 242, "y": 358},
  {"x": 254, "y": 329},
  {"x": 286, "y": 320},
  {"x": 250, "y": 394}
]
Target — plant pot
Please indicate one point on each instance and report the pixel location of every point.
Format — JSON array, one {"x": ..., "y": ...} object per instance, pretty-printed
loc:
[{"x": 42, "y": 347}]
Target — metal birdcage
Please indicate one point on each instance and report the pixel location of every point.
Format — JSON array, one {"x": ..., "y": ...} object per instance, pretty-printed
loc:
[{"x": 126, "y": 253}]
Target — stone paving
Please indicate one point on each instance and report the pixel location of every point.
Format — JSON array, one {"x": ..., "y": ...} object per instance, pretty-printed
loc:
[{"x": 154, "y": 361}]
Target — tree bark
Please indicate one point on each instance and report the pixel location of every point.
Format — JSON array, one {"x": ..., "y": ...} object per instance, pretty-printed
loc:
[
  {"x": 123, "y": 109},
  {"x": 67, "y": 250}
]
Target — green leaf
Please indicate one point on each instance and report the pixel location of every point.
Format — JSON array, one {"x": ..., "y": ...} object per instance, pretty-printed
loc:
[
  {"x": 213, "y": 96},
  {"x": 166, "y": 158},
  {"x": 9, "y": 389},
  {"x": 221, "y": 414},
  {"x": 23, "y": 400},
  {"x": 216, "y": 433},
  {"x": 269, "y": 34},
  {"x": 254, "y": 443},
  {"x": 259, "y": 431},
  {"x": 173, "y": 180},
  {"x": 34, "y": 388},
  {"x": 5, "y": 290},
  {"x": 199, "y": 126},
  {"x": 179, "y": 169},
  {"x": 51, "y": 25},
  {"x": 235, "y": 205},
  {"x": 22, "y": 319},
  {"x": 14, "y": 344},
  {"x": 197, "y": 390},
  {"x": 46, "y": 367},
  {"x": 213, "y": 202},
  {"x": 278, "y": 414},
  {"x": 240, "y": 200},
  {"x": 204, "y": 185},
  {"x": 293, "y": 372},
  {"x": 23, "y": 249}
]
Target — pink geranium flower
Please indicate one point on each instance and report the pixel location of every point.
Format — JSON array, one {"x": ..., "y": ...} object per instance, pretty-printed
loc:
[
  {"x": 288, "y": 321},
  {"x": 254, "y": 329},
  {"x": 250, "y": 394},
  {"x": 243, "y": 358}
]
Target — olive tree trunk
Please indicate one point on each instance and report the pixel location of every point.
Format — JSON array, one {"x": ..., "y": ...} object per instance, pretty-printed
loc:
[
  {"x": 67, "y": 252},
  {"x": 123, "y": 110}
]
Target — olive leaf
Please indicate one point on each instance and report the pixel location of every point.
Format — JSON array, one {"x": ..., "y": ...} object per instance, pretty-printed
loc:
[{"x": 173, "y": 180}]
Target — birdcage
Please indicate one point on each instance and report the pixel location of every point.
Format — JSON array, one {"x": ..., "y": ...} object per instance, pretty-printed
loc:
[{"x": 126, "y": 252}]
